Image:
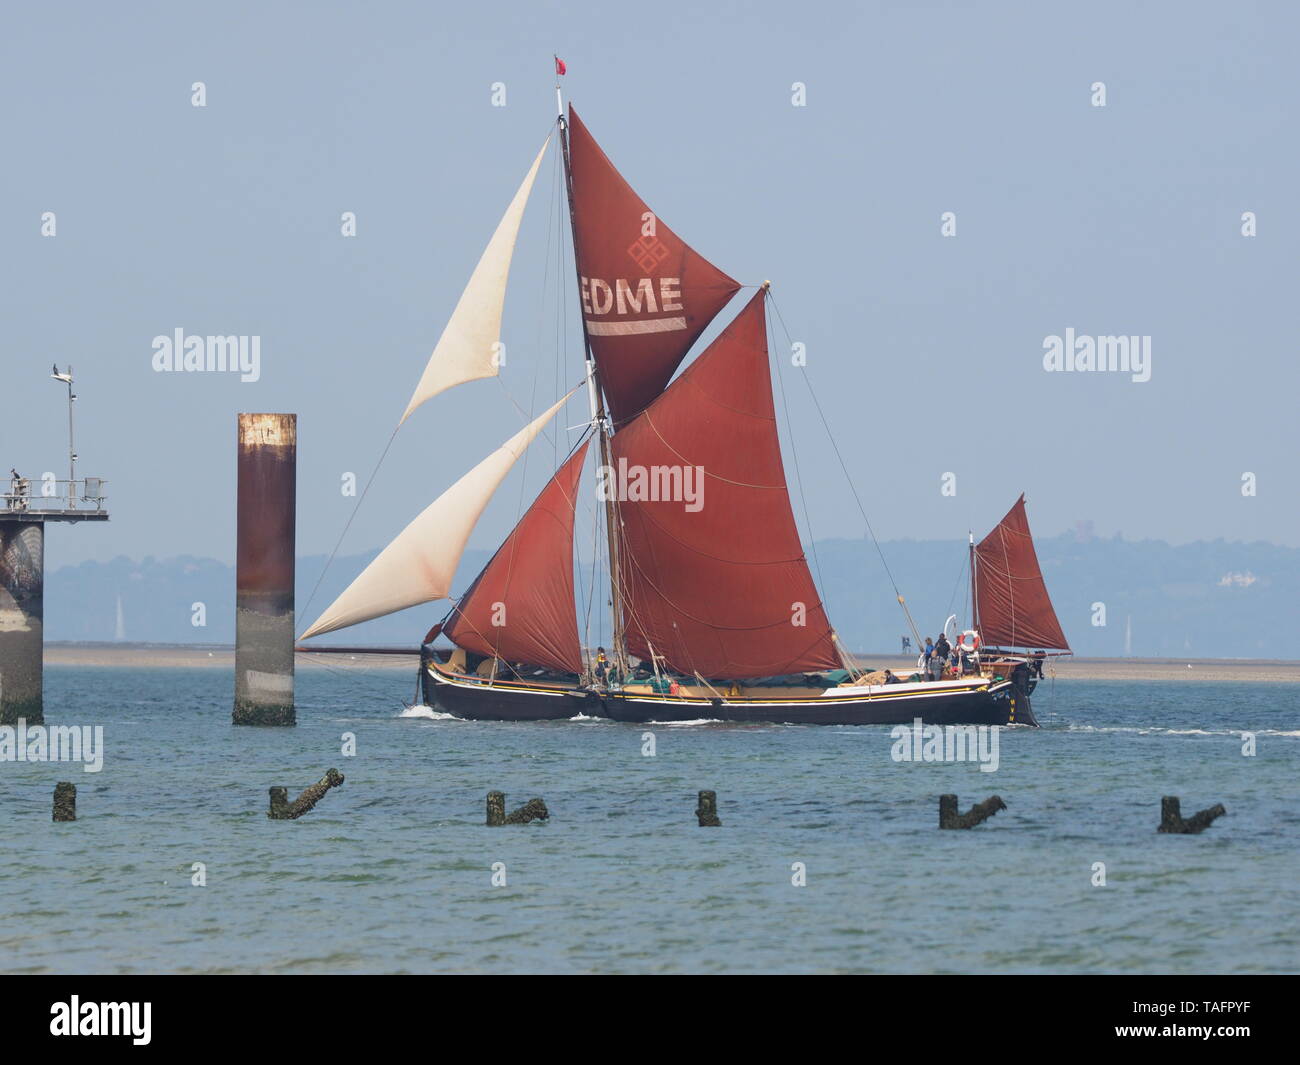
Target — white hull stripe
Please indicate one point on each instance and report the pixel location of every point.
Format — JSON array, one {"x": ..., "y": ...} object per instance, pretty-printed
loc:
[{"x": 622, "y": 329}]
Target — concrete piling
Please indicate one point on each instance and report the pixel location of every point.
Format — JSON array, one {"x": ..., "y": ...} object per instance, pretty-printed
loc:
[
  {"x": 1171, "y": 818},
  {"x": 65, "y": 801},
  {"x": 532, "y": 810},
  {"x": 981, "y": 811},
  {"x": 706, "y": 810},
  {"x": 284, "y": 810},
  {"x": 22, "y": 592},
  {"x": 264, "y": 572}
]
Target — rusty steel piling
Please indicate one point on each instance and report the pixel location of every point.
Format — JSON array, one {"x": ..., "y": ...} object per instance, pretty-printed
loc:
[{"x": 264, "y": 569}]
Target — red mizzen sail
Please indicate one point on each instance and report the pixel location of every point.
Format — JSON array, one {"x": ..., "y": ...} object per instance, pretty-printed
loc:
[
  {"x": 646, "y": 295},
  {"x": 521, "y": 607},
  {"x": 720, "y": 588},
  {"x": 1014, "y": 607}
]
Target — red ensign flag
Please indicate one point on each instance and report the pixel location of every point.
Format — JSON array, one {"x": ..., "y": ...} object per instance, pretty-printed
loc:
[{"x": 560, "y": 68}]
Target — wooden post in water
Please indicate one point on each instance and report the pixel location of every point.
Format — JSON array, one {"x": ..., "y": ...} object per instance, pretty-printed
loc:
[
  {"x": 706, "y": 810},
  {"x": 949, "y": 817},
  {"x": 65, "y": 801},
  {"x": 284, "y": 810},
  {"x": 264, "y": 569},
  {"x": 22, "y": 645},
  {"x": 1172, "y": 820},
  {"x": 532, "y": 810}
]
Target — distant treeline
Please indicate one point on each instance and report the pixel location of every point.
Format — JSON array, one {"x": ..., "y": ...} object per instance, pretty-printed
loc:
[{"x": 1201, "y": 600}]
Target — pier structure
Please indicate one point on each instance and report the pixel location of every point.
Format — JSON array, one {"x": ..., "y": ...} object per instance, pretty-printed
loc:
[
  {"x": 23, "y": 517},
  {"x": 264, "y": 569},
  {"x": 24, "y": 510}
]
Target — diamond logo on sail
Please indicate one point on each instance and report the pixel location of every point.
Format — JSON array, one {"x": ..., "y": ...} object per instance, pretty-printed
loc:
[{"x": 648, "y": 253}]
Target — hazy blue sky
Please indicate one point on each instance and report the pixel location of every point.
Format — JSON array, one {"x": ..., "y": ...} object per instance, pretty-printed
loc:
[{"x": 926, "y": 351}]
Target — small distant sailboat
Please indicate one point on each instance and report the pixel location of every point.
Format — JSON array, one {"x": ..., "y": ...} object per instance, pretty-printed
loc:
[{"x": 714, "y": 611}]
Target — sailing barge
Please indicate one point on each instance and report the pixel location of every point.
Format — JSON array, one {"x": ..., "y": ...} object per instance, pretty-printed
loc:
[{"x": 714, "y": 611}]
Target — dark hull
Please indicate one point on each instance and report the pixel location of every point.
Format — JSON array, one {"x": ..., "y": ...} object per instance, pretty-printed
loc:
[
  {"x": 499, "y": 703},
  {"x": 997, "y": 704},
  {"x": 958, "y": 708}
]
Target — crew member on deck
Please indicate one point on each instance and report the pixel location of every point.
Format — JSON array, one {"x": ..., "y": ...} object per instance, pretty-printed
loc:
[
  {"x": 939, "y": 659},
  {"x": 602, "y": 665},
  {"x": 929, "y": 653}
]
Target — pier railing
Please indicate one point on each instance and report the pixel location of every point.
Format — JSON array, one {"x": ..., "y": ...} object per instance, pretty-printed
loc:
[{"x": 26, "y": 495}]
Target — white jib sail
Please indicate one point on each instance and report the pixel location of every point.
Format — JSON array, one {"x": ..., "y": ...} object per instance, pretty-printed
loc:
[
  {"x": 418, "y": 566},
  {"x": 467, "y": 349}
]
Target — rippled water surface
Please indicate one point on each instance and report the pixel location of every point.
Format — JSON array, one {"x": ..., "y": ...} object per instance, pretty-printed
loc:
[{"x": 393, "y": 872}]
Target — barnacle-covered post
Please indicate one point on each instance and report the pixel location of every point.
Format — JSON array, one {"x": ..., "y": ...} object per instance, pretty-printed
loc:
[{"x": 65, "y": 801}]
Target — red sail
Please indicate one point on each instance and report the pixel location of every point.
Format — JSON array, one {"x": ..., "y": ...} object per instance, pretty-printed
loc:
[
  {"x": 1014, "y": 607},
  {"x": 521, "y": 607},
  {"x": 716, "y": 584},
  {"x": 645, "y": 294}
]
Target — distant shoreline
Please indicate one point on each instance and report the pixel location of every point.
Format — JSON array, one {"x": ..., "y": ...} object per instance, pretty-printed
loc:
[{"x": 197, "y": 656}]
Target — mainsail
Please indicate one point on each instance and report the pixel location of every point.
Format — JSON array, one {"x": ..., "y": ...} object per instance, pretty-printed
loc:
[
  {"x": 521, "y": 607},
  {"x": 718, "y": 586},
  {"x": 418, "y": 566},
  {"x": 1011, "y": 600},
  {"x": 468, "y": 348},
  {"x": 646, "y": 295}
]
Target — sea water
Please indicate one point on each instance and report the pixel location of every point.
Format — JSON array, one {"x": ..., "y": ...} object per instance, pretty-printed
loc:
[{"x": 829, "y": 858}]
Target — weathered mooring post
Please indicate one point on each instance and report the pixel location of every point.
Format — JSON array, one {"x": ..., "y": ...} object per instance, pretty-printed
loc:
[
  {"x": 1172, "y": 820},
  {"x": 950, "y": 817},
  {"x": 264, "y": 569},
  {"x": 706, "y": 810},
  {"x": 532, "y": 810},
  {"x": 284, "y": 810},
  {"x": 65, "y": 801}
]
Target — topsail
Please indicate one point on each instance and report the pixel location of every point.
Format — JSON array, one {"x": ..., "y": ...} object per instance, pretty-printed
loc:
[
  {"x": 467, "y": 349},
  {"x": 646, "y": 295}
]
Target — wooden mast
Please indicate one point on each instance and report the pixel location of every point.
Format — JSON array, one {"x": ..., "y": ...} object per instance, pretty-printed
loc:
[{"x": 599, "y": 417}]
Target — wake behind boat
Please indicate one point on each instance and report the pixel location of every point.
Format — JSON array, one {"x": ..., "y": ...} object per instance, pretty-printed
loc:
[{"x": 714, "y": 612}]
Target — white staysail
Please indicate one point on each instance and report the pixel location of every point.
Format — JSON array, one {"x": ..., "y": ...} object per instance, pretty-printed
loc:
[
  {"x": 419, "y": 564},
  {"x": 467, "y": 349}
]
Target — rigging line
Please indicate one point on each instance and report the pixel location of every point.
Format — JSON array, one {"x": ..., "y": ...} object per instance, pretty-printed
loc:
[
  {"x": 1011, "y": 589},
  {"x": 852, "y": 487},
  {"x": 591, "y": 585},
  {"x": 542, "y": 302},
  {"x": 552, "y": 224},
  {"x": 794, "y": 454},
  {"x": 707, "y": 473},
  {"x": 953, "y": 597},
  {"x": 348, "y": 524}
]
